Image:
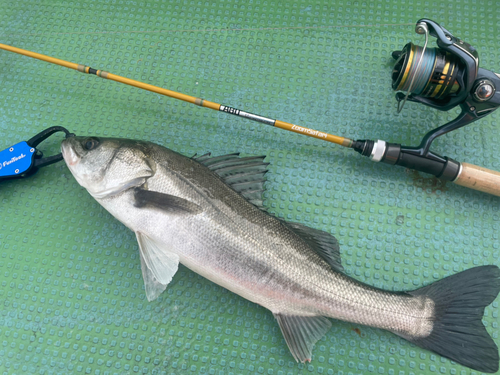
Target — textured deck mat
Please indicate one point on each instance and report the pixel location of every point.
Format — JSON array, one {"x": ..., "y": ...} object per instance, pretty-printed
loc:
[{"x": 71, "y": 292}]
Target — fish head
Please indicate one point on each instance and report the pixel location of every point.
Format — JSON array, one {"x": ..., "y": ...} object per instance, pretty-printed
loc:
[{"x": 107, "y": 166}]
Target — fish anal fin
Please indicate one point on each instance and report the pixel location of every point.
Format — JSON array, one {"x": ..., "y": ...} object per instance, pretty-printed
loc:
[
  {"x": 158, "y": 264},
  {"x": 325, "y": 245},
  {"x": 302, "y": 332}
]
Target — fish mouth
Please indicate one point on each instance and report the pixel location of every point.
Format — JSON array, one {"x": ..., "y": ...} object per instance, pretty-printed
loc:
[{"x": 69, "y": 154}]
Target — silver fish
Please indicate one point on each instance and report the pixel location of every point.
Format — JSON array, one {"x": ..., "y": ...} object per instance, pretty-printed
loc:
[{"x": 207, "y": 214}]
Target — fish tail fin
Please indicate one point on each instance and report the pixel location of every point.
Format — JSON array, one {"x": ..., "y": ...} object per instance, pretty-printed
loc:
[{"x": 458, "y": 332}]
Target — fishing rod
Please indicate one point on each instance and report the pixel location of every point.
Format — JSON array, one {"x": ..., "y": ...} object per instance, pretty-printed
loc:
[{"x": 442, "y": 78}]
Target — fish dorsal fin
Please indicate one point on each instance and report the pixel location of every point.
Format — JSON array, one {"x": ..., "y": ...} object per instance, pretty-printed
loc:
[
  {"x": 245, "y": 175},
  {"x": 207, "y": 159},
  {"x": 158, "y": 264},
  {"x": 326, "y": 245},
  {"x": 302, "y": 332}
]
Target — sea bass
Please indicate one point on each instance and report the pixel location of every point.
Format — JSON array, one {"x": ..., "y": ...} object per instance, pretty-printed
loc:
[{"x": 206, "y": 213}]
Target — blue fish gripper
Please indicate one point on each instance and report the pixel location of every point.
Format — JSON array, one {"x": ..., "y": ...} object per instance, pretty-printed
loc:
[{"x": 23, "y": 159}]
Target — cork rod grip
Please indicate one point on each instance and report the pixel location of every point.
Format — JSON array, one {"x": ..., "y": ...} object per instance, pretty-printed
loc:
[{"x": 479, "y": 178}]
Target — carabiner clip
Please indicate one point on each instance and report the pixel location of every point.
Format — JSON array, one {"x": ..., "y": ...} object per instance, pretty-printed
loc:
[{"x": 23, "y": 159}]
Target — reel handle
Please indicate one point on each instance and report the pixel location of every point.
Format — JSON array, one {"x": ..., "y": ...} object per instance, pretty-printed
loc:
[{"x": 479, "y": 178}]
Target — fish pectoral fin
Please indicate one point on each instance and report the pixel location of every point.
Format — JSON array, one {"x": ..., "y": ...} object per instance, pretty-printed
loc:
[
  {"x": 302, "y": 332},
  {"x": 158, "y": 265},
  {"x": 165, "y": 202}
]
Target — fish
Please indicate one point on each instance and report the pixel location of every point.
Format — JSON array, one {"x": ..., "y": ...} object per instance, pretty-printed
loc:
[{"x": 206, "y": 212}]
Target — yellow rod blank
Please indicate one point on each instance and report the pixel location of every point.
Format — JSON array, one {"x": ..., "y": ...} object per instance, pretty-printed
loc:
[
  {"x": 314, "y": 133},
  {"x": 346, "y": 142},
  {"x": 113, "y": 77},
  {"x": 162, "y": 91},
  {"x": 39, "y": 56}
]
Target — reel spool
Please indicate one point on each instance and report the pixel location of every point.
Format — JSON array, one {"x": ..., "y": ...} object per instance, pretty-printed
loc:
[{"x": 435, "y": 78}]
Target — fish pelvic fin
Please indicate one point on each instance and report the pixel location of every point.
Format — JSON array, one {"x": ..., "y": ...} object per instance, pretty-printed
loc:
[
  {"x": 152, "y": 287},
  {"x": 458, "y": 332},
  {"x": 158, "y": 265},
  {"x": 301, "y": 333}
]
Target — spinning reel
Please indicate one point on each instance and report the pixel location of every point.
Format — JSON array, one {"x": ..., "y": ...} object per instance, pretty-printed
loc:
[{"x": 442, "y": 78}]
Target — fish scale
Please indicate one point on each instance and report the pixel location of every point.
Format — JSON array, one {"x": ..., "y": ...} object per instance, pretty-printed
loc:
[{"x": 184, "y": 211}]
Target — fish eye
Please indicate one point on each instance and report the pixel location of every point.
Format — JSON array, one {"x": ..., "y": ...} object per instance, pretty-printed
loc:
[{"x": 90, "y": 143}]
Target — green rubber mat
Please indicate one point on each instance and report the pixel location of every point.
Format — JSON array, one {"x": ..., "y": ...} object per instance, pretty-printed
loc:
[{"x": 72, "y": 297}]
